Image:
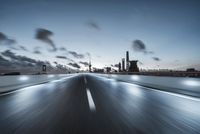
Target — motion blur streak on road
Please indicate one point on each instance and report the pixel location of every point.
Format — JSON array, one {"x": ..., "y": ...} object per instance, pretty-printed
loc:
[{"x": 62, "y": 107}]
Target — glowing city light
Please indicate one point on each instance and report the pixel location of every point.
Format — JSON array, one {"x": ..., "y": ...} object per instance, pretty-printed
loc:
[
  {"x": 192, "y": 83},
  {"x": 135, "y": 77},
  {"x": 23, "y": 78}
]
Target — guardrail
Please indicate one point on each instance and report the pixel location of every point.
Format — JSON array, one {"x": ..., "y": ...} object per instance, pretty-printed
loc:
[{"x": 181, "y": 85}]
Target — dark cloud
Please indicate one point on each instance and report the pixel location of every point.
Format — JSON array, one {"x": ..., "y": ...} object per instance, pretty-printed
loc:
[
  {"x": 12, "y": 56},
  {"x": 62, "y": 49},
  {"x": 44, "y": 35},
  {"x": 139, "y": 46},
  {"x": 84, "y": 63},
  {"x": 64, "y": 57},
  {"x": 141, "y": 63},
  {"x": 156, "y": 58},
  {"x": 75, "y": 65},
  {"x": 4, "y": 62},
  {"x": 61, "y": 57},
  {"x": 37, "y": 52},
  {"x": 14, "y": 48},
  {"x": 93, "y": 25},
  {"x": 18, "y": 61},
  {"x": 11, "y": 41},
  {"x": 3, "y": 37},
  {"x": 6, "y": 40},
  {"x": 149, "y": 52},
  {"x": 23, "y": 48},
  {"x": 76, "y": 55},
  {"x": 19, "y": 48}
]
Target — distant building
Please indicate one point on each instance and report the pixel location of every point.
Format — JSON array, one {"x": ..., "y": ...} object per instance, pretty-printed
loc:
[
  {"x": 133, "y": 66},
  {"x": 190, "y": 70},
  {"x": 44, "y": 68},
  {"x": 90, "y": 66},
  {"x": 97, "y": 70},
  {"x": 123, "y": 64},
  {"x": 127, "y": 61},
  {"x": 108, "y": 69},
  {"x": 119, "y": 67}
]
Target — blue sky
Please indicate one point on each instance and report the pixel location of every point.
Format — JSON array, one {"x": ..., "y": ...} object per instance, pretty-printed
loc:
[{"x": 106, "y": 29}]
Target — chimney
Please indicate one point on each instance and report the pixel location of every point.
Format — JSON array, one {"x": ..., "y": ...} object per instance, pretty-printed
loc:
[
  {"x": 127, "y": 61},
  {"x": 119, "y": 67},
  {"x": 123, "y": 64}
]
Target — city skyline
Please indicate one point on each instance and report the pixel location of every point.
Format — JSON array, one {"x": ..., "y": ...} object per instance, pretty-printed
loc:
[{"x": 160, "y": 34}]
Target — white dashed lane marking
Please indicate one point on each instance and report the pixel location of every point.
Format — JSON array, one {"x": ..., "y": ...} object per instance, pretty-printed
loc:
[
  {"x": 85, "y": 80},
  {"x": 90, "y": 101}
]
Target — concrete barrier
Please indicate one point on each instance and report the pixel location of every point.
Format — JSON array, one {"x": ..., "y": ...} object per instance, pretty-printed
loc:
[
  {"x": 181, "y": 85},
  {"x": 10, "y": 83}
]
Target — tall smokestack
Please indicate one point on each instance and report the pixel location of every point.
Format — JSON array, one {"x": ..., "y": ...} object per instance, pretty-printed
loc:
[
  {"x": 123, "y": 64},
  {"x": 127, "y": 60},
  {"x": 90, "y": 65}
]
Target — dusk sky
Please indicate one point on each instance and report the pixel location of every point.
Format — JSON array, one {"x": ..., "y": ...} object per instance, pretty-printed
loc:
[{"x": 158, "y": 33}]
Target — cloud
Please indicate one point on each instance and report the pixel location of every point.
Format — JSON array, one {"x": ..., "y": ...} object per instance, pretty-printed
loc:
[
  {"x": 149, "y": 52},
  {"x": 3, "y": 37},
  {"x": 37, "y": 52},
  {"x": 139, "y": 46},
  {"x": 19, "y": 47},
  {"x": 116, "y": 65},
  {"x": 141, "y": 63},
  {"x": 75, "y": 65},
  {"x": 76, "y": 55},
  {"x": 88, "y": 55},
  {"x": 23, "y": 48},
  {"x": 84, "y": 63},
  {"x": 64, "y": 57},
  {"x": 156, "y": 58},
  {"x": 62, "y": 49},
  {"x": 14, "y": 48},
  {"x": 4, "y": 62},
  {"x": 6, "y": 40},
  {"x": 93, "y": 25},
  {"x": 18, "y": 61},
  {"x": 61, "y": 67},
  {"x": 61, "y": 57},
  {"x": 43, "y": 35},
  {"x": 11, "y": 41}
]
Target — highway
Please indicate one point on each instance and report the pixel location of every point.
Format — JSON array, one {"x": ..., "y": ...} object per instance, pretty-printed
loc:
[{"x": 87, "y": 104}]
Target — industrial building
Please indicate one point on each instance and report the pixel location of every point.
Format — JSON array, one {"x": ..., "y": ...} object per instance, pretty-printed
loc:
[{"x": 131, "y": 65}]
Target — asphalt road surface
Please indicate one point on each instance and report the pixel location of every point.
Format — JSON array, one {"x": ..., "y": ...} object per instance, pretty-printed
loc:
[{"x": 87, "y": 104}]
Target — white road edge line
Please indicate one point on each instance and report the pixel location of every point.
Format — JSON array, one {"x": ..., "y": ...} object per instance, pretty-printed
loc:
[{"x": 90, "y": 101}]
